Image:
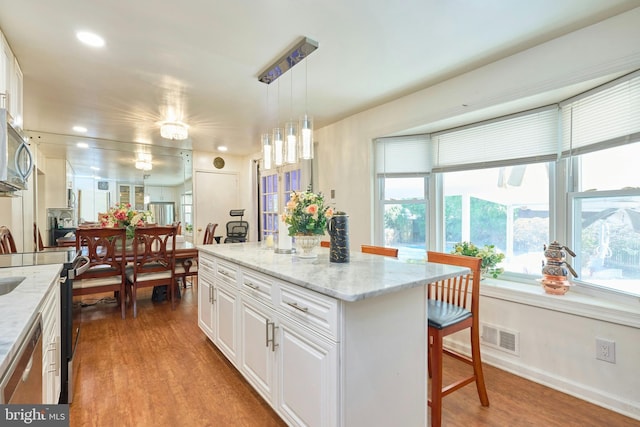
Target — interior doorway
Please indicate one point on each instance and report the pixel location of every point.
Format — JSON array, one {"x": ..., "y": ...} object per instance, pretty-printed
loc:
[{"x": 216, "y": 194}]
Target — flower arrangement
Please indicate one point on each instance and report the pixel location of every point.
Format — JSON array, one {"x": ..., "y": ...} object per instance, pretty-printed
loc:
[
  {"x": 489, "y": 254},
  {"x": 306, "y": 213},
  {"x": 123, "y": 216}
]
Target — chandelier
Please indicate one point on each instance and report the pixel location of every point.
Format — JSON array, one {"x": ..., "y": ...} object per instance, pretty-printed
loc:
[
  {"x": 174, "y": 130},
  {"x": 143, "y": 162},
  {"x": 297, "y": 141}
]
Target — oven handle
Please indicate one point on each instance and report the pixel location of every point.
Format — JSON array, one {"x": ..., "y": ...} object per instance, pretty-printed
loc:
[{"x": 80, "y": 265}]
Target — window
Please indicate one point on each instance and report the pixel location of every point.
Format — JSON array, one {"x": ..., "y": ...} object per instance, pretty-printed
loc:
[
  {"x": 405, "y": 214},
  {"x": 559, "y": 172},
  {"x": 269, "y": 203},
  {"x": 271, "y": 194},
  {"x": 606, "y": 219},
  {"x": 187, "y": 212},
  {"x": 506, "y": 206}
]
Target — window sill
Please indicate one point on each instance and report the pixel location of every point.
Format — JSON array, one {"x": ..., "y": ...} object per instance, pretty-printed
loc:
[{"x": 573, "y": 302}]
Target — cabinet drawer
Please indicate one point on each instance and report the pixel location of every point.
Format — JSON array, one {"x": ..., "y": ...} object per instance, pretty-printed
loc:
[
  {"x": 258, "y": 286},
  {"x": 227, "y": 273},
  {"x": 316, "y": 311},
  {"x": 206, "y": 267}
]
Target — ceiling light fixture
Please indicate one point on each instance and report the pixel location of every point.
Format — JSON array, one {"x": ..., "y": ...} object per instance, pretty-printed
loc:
[
  {"x": 143, "y": 162},
  {"x": 295, "y": 54},
  {"x": 80, "y": 129},
  {"x": 90, "y": 39},
  {"x": 288, "y": 151},
  {"x": 174, "y": 130},
  {"x": 306, "y": 126}
]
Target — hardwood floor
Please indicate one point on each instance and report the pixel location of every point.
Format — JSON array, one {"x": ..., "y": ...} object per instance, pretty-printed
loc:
[{"x": 160, "y": 370}]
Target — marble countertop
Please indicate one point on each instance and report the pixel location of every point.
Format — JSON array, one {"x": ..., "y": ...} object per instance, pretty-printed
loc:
[
  {"x": 19, "y": 308},
  {"x": 364, "y": 276}
]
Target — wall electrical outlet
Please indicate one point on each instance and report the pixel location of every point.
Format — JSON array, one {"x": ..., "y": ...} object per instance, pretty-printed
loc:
[{"x": 606, "y": 350}]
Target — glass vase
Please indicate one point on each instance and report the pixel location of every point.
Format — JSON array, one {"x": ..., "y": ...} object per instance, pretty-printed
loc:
[{"x": 306, "y": 245}]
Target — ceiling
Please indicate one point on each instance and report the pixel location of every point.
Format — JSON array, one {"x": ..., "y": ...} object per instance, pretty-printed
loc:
[{"x": 199, "y": 62}]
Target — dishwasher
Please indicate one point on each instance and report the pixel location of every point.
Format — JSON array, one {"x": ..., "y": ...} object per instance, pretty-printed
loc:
[{"x": 22, "y": 383}]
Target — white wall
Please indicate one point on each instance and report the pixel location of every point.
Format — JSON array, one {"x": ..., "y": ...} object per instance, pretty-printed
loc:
[{"x": 557, "y": 349}]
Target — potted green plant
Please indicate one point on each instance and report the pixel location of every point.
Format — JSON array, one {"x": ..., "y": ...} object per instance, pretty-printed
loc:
[{"x": 489, "y": 254}]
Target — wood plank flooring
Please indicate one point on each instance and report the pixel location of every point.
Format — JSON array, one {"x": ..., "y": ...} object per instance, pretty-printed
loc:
[{"x": 160, "y": 370}]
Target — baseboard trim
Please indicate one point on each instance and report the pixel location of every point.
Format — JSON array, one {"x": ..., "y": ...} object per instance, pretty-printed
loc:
[{"x": 498, "y": 360}]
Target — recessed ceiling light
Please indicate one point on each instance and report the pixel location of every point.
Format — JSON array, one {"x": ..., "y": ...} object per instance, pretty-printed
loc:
[
  {"x": 222, "y": 148},
  {"x": 90, "y": 39},
  {"x": 95, "y": 168},
  {"x": 80, "y": 129},
  {"x": 82, "y": 145}
]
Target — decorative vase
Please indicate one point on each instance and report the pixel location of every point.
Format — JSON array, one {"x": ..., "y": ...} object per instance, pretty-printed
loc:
[
  {"x": 306, "y": 245},
  {"x": 338, "y": 228}
]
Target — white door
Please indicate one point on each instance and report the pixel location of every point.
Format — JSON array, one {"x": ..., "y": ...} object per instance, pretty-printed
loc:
[{"x": 215, "y": 194}]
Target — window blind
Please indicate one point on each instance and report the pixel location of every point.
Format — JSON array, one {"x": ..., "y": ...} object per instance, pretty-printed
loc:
[
  {"x": 406, "y": 154},
  {"x": 527, "y": 137},
  {"x": 603, "y": 117}
]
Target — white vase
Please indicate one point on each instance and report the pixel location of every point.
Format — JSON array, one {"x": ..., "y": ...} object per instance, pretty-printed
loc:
[{"x": 306, "y": 245}]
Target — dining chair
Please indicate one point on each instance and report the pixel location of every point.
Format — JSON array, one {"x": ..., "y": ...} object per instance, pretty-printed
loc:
[
  {"x": 7, "y": 244},
  {"x": 379, "y": 250},
  {"x": 453, "y": 306},
  {"x": 209, "y": 233},
  {"x": 103, "y": 269},
  {"x": 154, "y": 261},
  {"x": 38, "y": 245}
]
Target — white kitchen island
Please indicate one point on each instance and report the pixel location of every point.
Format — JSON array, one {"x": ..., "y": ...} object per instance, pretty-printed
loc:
[{"x": 325, "y": 344}]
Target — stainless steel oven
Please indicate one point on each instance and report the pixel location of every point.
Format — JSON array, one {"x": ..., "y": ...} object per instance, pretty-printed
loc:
[{"x": 69, "y": 333}]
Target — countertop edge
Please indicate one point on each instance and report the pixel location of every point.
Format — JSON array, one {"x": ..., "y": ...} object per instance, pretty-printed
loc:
[
  {"x": 25, "y": 321},
  {"x": 268, "y": 269}
]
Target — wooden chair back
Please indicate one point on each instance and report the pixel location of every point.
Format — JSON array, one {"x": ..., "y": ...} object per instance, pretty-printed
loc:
[
  {"x": 154, "y": 261},
  {"x": 462, "y": 291},
  {"x": 38, "y": 245},
  {"x": 379, "y": 250},
  {"x": 325, "y": 243},
  {"x": 209, "y": 233},
  {"x": 104, "y": 254},
  {"x": 7, "y": 244}
]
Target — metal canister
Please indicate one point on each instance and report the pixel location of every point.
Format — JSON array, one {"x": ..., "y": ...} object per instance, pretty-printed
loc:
[{"x": 339, "y": 232}]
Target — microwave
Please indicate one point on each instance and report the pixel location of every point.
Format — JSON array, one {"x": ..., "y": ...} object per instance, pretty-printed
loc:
[{"x": 16, "y": 160}]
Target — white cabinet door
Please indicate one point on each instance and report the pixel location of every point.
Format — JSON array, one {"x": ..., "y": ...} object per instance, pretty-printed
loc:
[
  {"x": 206, "y": 305},
  {"x": 51, "y": 381},
  {"x": 257, "y": 352},
  {"x": 225, "y": 312},
  {"x": 307, "y": 377}
]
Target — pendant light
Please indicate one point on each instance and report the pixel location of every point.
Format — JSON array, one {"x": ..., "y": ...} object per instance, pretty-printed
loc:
[
  {"x": 291, "y": 133},
  {"x": 278, "y": 155},
  {"x": 278, "y": 144},
  {"x": 265, "y": 142},
  {"x": 267, "y": 151},
  {"x": 296, "y": 139},
  {"x": 306, "y": 125}
]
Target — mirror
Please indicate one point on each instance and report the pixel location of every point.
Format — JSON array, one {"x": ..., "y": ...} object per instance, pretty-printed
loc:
[{"x": 102, "y": 173}]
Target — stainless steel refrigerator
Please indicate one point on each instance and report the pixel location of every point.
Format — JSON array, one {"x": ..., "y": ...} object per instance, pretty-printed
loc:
[{"x": 164, "y": 213}]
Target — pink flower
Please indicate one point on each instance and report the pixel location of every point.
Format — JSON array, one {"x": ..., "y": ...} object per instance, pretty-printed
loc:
[
  {"x": 312, "y": 209},
  {"x": 328, "y": 213}
]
